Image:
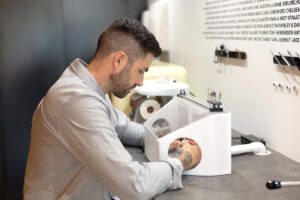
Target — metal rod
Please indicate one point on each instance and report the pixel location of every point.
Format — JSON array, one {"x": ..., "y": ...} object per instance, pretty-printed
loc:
[
  {"x": 292, "y": 58},
  {"x": 216, "y": 56},
  {"x": 285, "y": 60},
  {"x": 182, "y": 96},
  {"x": 277, "y": 60}
]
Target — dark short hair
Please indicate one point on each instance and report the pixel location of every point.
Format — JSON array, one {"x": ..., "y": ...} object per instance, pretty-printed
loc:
[{"x": 130, "y": 36}]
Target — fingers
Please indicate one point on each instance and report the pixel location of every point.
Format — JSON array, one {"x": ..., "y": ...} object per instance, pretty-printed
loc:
[
  {"x": 174, "y": 144},
  {"x": 184, "y": 144},
  {"x": 178, "y": 139},
  {"x": 192, "y": 142}
]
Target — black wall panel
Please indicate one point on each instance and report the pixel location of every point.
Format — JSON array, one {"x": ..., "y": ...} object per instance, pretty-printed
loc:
[
  {"x": 31, "y": 59},
  {"x": 38, "y": 39},
  {"x": 84, "y": 20}
]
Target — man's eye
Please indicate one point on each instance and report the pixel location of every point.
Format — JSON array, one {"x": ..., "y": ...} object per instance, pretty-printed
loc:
[{"x": 141, "y": 71}]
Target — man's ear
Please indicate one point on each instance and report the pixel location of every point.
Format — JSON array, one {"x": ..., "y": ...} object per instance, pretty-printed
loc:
[{"x": 120, "y": 60}]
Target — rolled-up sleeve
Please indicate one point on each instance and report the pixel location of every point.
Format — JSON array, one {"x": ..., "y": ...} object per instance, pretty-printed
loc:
[{"x": 85, "y": 130}]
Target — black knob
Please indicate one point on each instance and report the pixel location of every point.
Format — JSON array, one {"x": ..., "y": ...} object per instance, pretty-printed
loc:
[
  {"x": 271, "y": 185},
  {"x": 182, "y": 92}
]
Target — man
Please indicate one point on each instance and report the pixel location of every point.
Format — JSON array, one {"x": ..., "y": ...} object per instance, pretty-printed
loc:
[{"x": 76, "y": 149}]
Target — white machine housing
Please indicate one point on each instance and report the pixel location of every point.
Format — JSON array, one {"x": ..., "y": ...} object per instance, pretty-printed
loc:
[
  {"x": 210, "y": 130},
  {"x": 164, "y": 86}
]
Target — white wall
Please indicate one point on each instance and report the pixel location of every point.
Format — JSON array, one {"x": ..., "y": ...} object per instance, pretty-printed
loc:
[{"x": 247, "y": 91}]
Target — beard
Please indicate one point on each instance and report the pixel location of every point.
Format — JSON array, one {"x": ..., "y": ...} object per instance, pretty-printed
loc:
[{"x": 121, "y": 82}]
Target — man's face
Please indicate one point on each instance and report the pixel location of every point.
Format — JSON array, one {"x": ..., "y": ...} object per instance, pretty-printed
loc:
[{"x": 131, "y": 76}]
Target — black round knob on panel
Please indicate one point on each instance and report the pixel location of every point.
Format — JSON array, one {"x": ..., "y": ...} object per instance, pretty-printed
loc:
[{"x": 271, "y": 185}]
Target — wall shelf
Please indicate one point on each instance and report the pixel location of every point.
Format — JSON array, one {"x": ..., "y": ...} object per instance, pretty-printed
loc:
[
  {"x": 231, "y": 54},
  {"x": 294, "y": 61}
]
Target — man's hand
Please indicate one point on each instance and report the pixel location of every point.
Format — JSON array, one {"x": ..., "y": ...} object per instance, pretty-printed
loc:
[
  {"x": 190, "y": 154},
  {"x": 176, "y": 143}
]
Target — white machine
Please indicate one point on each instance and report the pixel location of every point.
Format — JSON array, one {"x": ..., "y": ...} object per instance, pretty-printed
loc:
[
  {"x": 153, "y": 95},
  {"x": 188, "y": 118},
  {"x": 169, "y": 116},
  {"x": 164, "y": 86}
]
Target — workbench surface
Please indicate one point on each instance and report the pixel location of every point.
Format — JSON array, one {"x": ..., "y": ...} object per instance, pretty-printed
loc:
[{"x": 247, "y": 181}]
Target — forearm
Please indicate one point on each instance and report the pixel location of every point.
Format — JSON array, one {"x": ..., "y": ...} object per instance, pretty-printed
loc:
[
  {"x": 132, "y": 134},
  {"x": 186, "y": 160}
]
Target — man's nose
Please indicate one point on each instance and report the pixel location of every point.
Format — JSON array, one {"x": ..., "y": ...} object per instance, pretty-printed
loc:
[{"x": 140, "y": 81}]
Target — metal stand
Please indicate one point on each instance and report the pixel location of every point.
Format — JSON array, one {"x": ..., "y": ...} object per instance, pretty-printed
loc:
[{"x": 216, "y": 106}]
